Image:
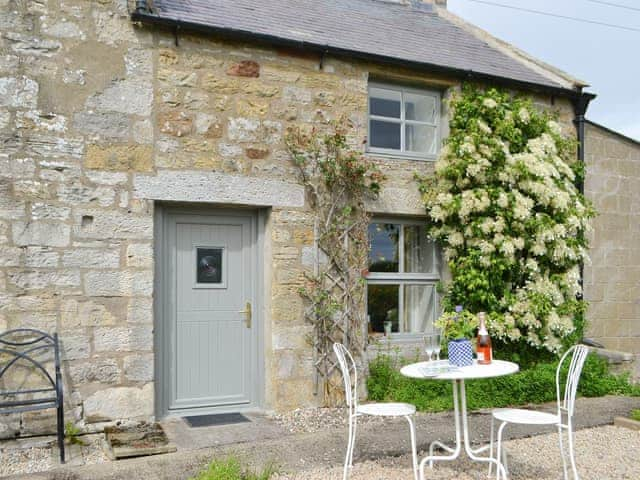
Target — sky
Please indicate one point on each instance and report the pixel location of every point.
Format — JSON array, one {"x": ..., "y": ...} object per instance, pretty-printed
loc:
[{"x": 608, "y": 59}]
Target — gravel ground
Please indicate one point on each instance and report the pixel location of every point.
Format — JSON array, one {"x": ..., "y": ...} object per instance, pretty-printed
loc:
[
  {"x": 603, "y": 453},
  {"x": 30, "y": 456},
  {"x": 311, "y": 420}
]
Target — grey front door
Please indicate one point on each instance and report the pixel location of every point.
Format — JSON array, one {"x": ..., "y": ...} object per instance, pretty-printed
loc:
[{"x": 209, "y": 281}]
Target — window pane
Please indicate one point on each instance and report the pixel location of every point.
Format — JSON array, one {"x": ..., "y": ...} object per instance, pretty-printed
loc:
[
  {"x": 384, "y": 134},
  {"x": 383, "y": 241},
  {"x": 419, "y": 308},
  {"x": 420, "y": 139},
  {"x": 418, "y": 250},
  {"x": 420, "y": 107},
  {"x": 382, "y": 306},
  {"x": 385, "y": 103}
]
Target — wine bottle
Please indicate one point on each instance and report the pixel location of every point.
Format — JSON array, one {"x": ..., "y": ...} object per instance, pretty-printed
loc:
[{"x": 483, "y": 348}]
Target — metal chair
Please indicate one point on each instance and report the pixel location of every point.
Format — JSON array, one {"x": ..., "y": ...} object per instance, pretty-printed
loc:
[
  {"x": 32, "y": 349},
  {"x": 562, "y": 419},
  {"x": 348, "y": 368}
]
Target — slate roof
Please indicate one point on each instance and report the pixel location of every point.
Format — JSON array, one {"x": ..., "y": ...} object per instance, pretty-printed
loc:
[{"x": 414, "y": 34}]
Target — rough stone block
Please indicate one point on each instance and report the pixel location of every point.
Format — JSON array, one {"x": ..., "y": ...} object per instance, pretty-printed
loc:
[
  {"x": 41, "y": 233},
  {"x": 103, "y": 125},
  {"x": 128, "y": 158},
  {"x": 35, "y": 280},
  {"x": 140, "y": 255},
  {"x": 101, "y": 224},
  {"x": 41, "y": 257},
  {"x": 178, "y": 124},
  {"x": 74, "y": 347},
  {"x": 120, "y": 403},
  {"x": 132, "y": 97},
  {"x": 140, "y": 310},
  {"x": 77, "y": 194},
  {"x": 10, "y": 256},
  {"x": 20, "y": 92},
  {"x": 122, "y": 283},
  {"x": 243, "y": 129},
  {"x": 46, "y": 211},
  {"x": 17, "y": 167},
  {"x": 245, "y": 68},
  {"x": 10, "y": 208},
  {"x": 139, "y": 368},
  {"x": 137, "y": 338},
  {"x": 101, "y": 371},
  {"x": 91, "y": 258},
  {"x": 101, "y": 177}
]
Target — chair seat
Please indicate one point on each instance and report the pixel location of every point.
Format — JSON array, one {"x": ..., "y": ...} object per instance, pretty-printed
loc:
[
  {"x": 529, "y": 417},
  {"x": 386, "y": 409}
]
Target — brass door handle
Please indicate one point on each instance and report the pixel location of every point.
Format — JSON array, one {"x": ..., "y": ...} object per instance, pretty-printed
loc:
[{"x": 247, "y": 314}]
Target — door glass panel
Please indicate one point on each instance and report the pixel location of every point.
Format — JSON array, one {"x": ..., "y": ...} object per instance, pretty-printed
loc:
[
  {"x": 420, "y": 107},
  {"x": 383, "y": 241},
  {"x": 419, "y": 308},
  {"x": 385, "y": 103},
  {"x": 209, "y": 265},
  {"x": 384, "y": 134},
  {"x": 382, "y": 306},
  {"x": 420, "y": 138},
  {"x": 418, "y": 250}
]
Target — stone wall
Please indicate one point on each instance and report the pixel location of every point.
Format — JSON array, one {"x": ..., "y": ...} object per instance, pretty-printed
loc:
[
  {"x": 100, "y": 119},
  {"x": 612, "y": 280}
]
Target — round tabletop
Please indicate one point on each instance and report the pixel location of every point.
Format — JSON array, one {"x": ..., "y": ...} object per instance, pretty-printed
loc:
[{"x": 442, "y": 370}]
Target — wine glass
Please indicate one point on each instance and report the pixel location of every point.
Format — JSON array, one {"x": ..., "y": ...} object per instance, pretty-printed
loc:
[
  {"x": 429, "y": 347},
  {"x": 436, "y": 345}
]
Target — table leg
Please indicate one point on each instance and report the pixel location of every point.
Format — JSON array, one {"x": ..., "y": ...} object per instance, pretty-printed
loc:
[
  {"x": 467, "y": 445},
  {"x": 454, "y": 452}
]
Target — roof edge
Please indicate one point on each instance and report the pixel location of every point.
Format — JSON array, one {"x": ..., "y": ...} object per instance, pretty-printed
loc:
[
  {"x": 541, "y": 67},
  {"x": 468, "y": 75},
  {"x": 613, "y": 132}
]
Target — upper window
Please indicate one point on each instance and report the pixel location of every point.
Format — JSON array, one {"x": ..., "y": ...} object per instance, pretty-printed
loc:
[
  {"x": 402, "y": 279},
  {"x": 403, "y": 121}
]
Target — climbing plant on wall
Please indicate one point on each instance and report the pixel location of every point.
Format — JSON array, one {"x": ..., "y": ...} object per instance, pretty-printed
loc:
[
  {"x": 504, "y": 205},
  {"x": 338, "y": 180}
]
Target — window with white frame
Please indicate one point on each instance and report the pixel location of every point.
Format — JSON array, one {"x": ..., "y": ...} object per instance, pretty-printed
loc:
[
  {"x": 403, "y": 121},
  {"x": 404, "y": 270}
]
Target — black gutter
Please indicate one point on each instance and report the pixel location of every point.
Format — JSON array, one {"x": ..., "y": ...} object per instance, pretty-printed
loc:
[{"x": 142, "y": 15}]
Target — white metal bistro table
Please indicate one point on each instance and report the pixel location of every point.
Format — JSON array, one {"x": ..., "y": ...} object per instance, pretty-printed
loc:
[{"x": 440, "y": 370}]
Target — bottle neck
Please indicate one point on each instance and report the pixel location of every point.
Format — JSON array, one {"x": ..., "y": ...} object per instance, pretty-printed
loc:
[{"x": 482, "y": 330}]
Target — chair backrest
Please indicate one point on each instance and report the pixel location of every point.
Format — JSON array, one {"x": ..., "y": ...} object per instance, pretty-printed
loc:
[
  {"x": 349, "y": 374},
  {"x": 567, "y": 400},
  {"x": 34, "y": 350}
]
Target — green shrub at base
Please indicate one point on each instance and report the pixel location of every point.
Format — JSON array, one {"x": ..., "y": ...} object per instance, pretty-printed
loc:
[
  {"x": 536, "y": 384},
  {"x": 231, "y": 469}
]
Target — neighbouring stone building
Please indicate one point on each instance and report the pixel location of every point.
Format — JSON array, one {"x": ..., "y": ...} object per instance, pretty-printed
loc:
[
  {"x": 149, "y": 212},
  {"x": 612, "y": 280}
]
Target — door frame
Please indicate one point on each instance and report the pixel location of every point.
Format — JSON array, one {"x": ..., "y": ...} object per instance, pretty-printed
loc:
[{"x": 162, "y": 357}]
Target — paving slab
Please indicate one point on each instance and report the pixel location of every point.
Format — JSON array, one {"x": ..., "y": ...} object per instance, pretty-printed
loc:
[{"x": 299, "y": 452}]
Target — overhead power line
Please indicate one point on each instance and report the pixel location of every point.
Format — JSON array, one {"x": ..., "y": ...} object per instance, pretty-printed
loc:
[
  {"x": 549, "y": 14},
  {"x": 617, "y": 5}
]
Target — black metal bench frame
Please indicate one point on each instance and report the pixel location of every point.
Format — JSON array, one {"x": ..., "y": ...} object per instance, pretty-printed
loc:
[{"x": 28, "y": 342}]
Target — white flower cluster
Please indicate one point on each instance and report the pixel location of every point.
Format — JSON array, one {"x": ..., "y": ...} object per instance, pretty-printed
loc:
[{"x": 519, "y": 210}]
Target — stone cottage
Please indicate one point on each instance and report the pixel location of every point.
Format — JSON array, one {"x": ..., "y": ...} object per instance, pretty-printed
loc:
[
  {"x": 150, "y": 214},
  {"x": 612, "y": 279}
]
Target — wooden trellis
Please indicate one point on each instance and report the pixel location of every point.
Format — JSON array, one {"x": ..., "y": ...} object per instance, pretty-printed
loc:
[{"x": 337, "y": 181}]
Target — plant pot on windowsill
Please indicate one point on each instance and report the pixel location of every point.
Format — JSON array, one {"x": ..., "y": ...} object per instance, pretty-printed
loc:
[{"x": 460, "y": 352}]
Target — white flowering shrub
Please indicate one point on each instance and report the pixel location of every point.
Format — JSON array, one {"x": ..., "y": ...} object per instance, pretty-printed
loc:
[{"x": 504, "y": 206}]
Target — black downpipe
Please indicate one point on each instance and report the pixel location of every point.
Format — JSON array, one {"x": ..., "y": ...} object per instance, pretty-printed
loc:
[{"x": 580, "y": 105}]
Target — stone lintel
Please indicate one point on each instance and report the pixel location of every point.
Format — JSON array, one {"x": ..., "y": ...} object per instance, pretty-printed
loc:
[{"x": 212, "y": 187}]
